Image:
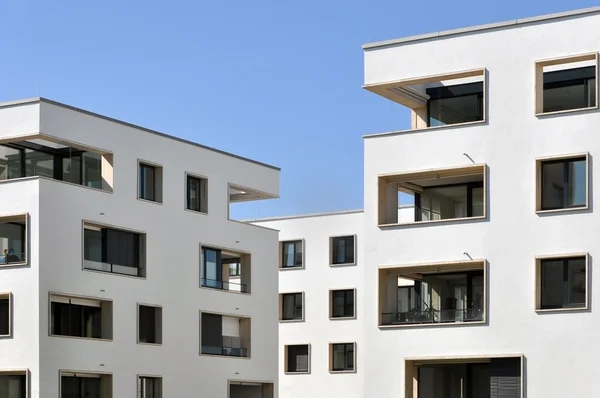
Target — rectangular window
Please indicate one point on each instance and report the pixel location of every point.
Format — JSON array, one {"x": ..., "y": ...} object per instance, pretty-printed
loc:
[
  {"x": 89, "y": 385},
  {"x": 460, "y": 103},
  {"x": 197, "y": 195},
  {"x": 563, "y": 283},
  {"x": 113, "y": 250},
  {"x": 150, "y": 182},
  {"x": 5, "y": 315},
  {"x": 291, "y": 306},
  {"x": 80, "y": 317},
  {"x": 149, "y": 324},
  {"x": 291, "y": 254},
  {"x": 149, "y": 387},
  {"x": 563, "y": 183},
  {"x": 298, "y": 358},
  {"x": 13, "y": 384},
  {"x": 342, "y": 303},
  {"x": 225, "y": 335},
  {"x": 342, "y": 357},
  {"x": 342, "y": 250},
  {"x": 225, "y": 270},
  {"x": 13, "y": 233}
]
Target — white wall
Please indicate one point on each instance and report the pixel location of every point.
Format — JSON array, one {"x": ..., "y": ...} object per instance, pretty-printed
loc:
[
  {"x": 512, "y": 234},
  {"x": 315, "y": 280}
]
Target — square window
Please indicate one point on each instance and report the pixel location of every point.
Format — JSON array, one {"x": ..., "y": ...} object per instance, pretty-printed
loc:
[
  {"x": 342, "y": 303},
  {"x": 291, "y": 306},
  {"x": 149, "y": 324},
  {"x": 292, "y": 254},
  {"x": 225, "y": 270},
  {"x": 197, "y": 194},
  {"x": 5, "y": 314},
  {"x": 562, "y": 183},
  {"x": 225, "y": 335},
  {"x": 342, "y": 357},
  {"x": 297, "y": 358},
  {"x": 150, "y": 182},
  {"x": 149, "y": 387},
  {"x": 13, "y": 384},
  {"x": 562, "y": 283},
  {"x": 13, "y": 240},
  {"x": 342, "y": 250}
]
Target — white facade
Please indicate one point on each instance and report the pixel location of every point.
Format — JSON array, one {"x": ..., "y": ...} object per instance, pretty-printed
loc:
[{"x": 171, "y": 247}]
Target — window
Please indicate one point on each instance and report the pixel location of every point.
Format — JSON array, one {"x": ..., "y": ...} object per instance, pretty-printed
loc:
[
  {"x": 291, "y": 306},
  {"x": 149, "y": 387},
  {"x": 80, "y": 317},
  {"x": 5, "y": 315},
  {"x": 13, "y": 384},
  {"x": 292, "y": 256},
  {"x": 234, "y": 269},
  {"x": 460, "y": 103},
  {"x": 297, "y": 358},
  {"x": 224, "y": 335},
  {"x": 342, "y": 250},
  {"x": 563, "y": 183},
  {"x": 342, "y": 303},
  {"x": 88, "y": 385},
  {"x": 225, "y": 270},
  {"x": 13, "y": 234},
  {"x": 150, "y": 182},
  {"x": 563, "y": 283},
  {"x": 149, "y": 324},
  {"x": 197, "y": 195},
  {"x": 434, "y": 195},
  {"x": 342, "y": 357},
  {"x": 113, "y": 250}
]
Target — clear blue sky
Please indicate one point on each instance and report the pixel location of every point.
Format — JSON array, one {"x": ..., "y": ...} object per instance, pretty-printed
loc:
[{"x": 274, "y": 80}]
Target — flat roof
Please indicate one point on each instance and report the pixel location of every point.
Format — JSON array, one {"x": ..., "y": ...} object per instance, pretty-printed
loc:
[
  {"x": 482, "y": 28},
  {"x": 33, "y": 100},
  {"x": 308, "y": 215}
]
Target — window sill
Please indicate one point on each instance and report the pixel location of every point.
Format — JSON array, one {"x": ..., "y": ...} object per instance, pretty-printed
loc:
[
  {"x": 223, "y": 290},
  {"x": 297, "y": 373},
  {"x": 556, "y": 113},
  {"x": 113, "y": 273},
  {"x": 290, "y": 268},
  {"x": 20, "y": 264},
  {"x": 156, "y": 202},
  {"x": 342, "y": 318},
  {"x": 150, "y": 344},
  {"x": 223, "y": 356},
  {"x": 80, "y": 338},
  {"x": 202, "y": 213},
  {"x": 5, "y": 336},
  {"x": 564, "y": 209},
  {"x": 433, "y": 324},
  {"x": 342, "y": 371},
  {"x": 447, "y": 220},
  {"x": 343, "y": 265},
  {"x": 291, "y": 320},
  {"x": 559, "y": 310}
]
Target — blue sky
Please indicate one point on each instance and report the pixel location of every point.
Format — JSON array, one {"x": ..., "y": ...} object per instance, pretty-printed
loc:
[{"x": 277, "y": 81}]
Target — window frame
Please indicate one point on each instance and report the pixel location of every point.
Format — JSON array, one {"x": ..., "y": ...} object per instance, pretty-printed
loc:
[
  {"x": 332, "y": 368},
  {"x": 158, "y": 323},
  {"x": 8, "y": 296},
  {"x": 332, "y": 304},
  {"x": 18, "y": 218},
  {"x": 539, "y": 260},
  {"x": 203, "y": 199},
  {"x": 19, "y": 372},
  {"x": 282, "y": 245},
  {"x": 282, "y": 306},
  {"x": 157, "y": 189},
  {"x": 106, "y": 380},
  {"x": 286, "y": 359},
  {"x": 106, "y": 311},
  {"x": 539, "y": 162},
  {"x": 158, "y": 379},
  {"x": 333, "y": 240}
]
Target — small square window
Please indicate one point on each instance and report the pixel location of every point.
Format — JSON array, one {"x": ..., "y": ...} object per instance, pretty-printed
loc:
[
  {"x": 149, "y": 324},
  {"x": 197, "y": 194},
  {"x": 292, "y": 254},
  {"x": 5, "y": 314},
  {"x": 150, "y": 182},
  {"x": 562, "y": 183},
  {"x": 562, "y": 283},
  {"x": 13, "y": 240},
  {"x": 342, "y": 303},
  {"x": 342, "y": 357},
  {"x": 297, "y": 358},
  {"x": 149, "y": 387},
  {"x": 342, "y": 250},
  {"x": 291, "y": 307}
]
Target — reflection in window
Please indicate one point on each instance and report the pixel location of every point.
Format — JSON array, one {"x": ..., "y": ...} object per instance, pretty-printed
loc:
[
  {"x": 12, "y": 242},
  {"x": 442, "y": 202},
  {"x": 297, "y": 359},
  {"x": 10, "y": 163},
  {"x": 342, "y": 251},
  {"x": 291, "y": 306},
  {"x": 292, "y": 254},
  {"x": 570, "y": 89},
  {"x": 13, "y": 385},
  {"x": 147, "y": 182},
  {"x": 564, "y": 183},
  {"x": 459, "y": 103},
  {"x": 563, "y": 283},
  {"x": 343, "y": 357}
]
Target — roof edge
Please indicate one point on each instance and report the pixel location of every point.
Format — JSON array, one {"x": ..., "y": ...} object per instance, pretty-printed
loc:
[
  {"x": 308, "y": 215},
  {"x": 480, "y": 28},
  {"x": 33, "y": 100}
]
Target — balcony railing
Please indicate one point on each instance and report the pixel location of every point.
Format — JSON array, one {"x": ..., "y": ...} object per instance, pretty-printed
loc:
[
  {"x": 13, "y": 258},
  {"x": 227, "y": 351},
  {"x": 112, "y": 268},
  {"x": 431, "y": 316},
  {"x": 224, "y": 285}
]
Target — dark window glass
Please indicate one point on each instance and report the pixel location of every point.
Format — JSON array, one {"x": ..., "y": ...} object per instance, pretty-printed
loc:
[
  {"x": 564, "y": 184},
  {"x": 147, "y": 189},
  {"x": 149, "y": 324},
  {"x": 92, "y": 170},
  {"x": 4, "y": 316},
  {"x": 343, "y": 303},
  {"x": 10, "y": 163},
  {"x": 235, "y": 269},
  {"x": 212, "y": 268},
  {"x": 297, "y": 358},
  {"x": 149, "y": 387},
  {"x": 212, "y": 334},
  {"x": 570, "y": 89},
  {"x": 76, "y": 320},
  {"x": 459, "y": 103},
  {"x": 443, "y": 202},
  {"x": 12, "y": 242},
  {"x": 343, "y": 357},
  {"x": 72, "y": 169},
  {"x": 39, "y": 164},
  {"x": 563, "y": 283},
  {"x": 292, "y": 254},
  {"x": 291, "y": 306},
  {"x": 342, "y": 251},
  {"x": 13, "y": 386},
  {"x": 196, "y": 194},
  {"x": 79, "y": 387}
]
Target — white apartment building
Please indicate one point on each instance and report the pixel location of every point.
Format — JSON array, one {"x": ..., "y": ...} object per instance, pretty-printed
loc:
[
  {"x": 121, "y": 272},
  {"x": 474, "y": 262}
]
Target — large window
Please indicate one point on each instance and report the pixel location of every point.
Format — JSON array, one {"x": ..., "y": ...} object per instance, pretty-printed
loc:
[
  {"x": 297, "y": 358},
  {"x": 563, "y": 283},
  {"x": 455, "y": 104},
  {"x": 13, "y": 384},
  {"x": 224, "y": 335},
  {"x": 342, "y": 357},
  {"x": 5, "y": 315},
  {"x": 197, "y": 195},
  {"x": 342, "y": 303},
  {"x": 291, "y": 254},
  {"x": 88, "y": 385},
  {"x": 149, "y": 324},
  {"x": 292, "y": 306},
  {"x": 342, "y": 250},
  {"x": 13, "y": 233},
  {"x": 225, "y": 270},
  {"x": 149, "y": 387},
  {"x": 80, "y": 317},
  {"x": 563, "y": 183},
  {"x": 113, "y": 250}
]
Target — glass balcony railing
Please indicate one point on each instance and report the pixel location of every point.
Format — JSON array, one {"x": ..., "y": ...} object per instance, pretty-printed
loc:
[
  {"x": 227, "y": 351},
  {"x": 112, "y": 268},
  {"x": 224, "y": 285},
  {"x": 431, "y": 316}
]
